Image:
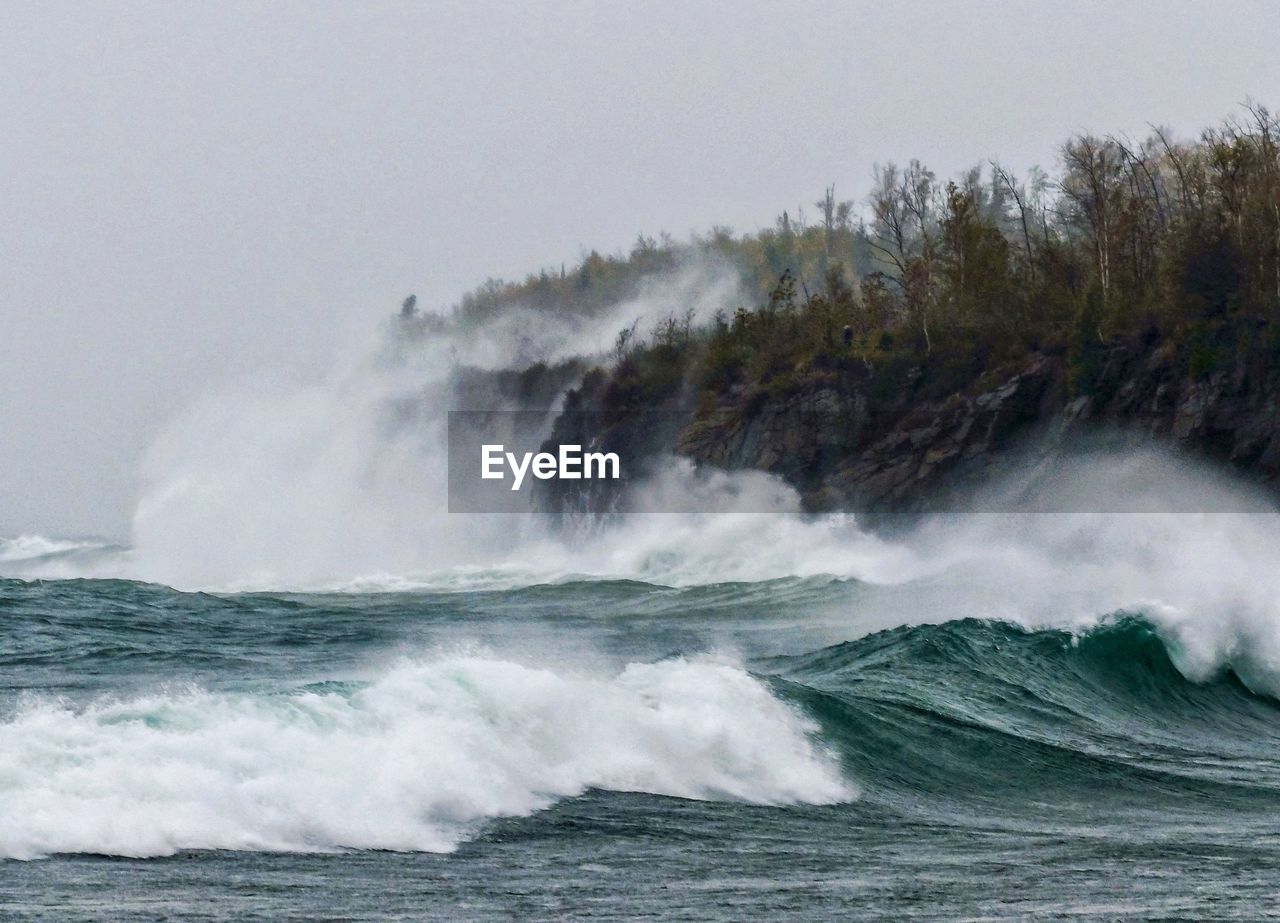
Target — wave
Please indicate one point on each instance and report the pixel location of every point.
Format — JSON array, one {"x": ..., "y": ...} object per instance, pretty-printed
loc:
[
  {"x": 417, "y": 759},
  {"x": 964, "y": 720},
  {"x": 971, "y": 713}
]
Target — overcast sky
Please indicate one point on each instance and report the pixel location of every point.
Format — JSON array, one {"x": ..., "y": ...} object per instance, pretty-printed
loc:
[{"x": 192, "y": 191}]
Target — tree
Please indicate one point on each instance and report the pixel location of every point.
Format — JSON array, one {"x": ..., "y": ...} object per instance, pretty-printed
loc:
[
  {"x": 975, "y": 264},
  {"x": 902, "y": 205},
  {"x": 1092, "y": 185},
  {"x": 1019, "y": 196}
]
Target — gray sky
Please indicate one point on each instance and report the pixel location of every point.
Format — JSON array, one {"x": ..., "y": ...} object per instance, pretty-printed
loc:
[{"x": 192, "y": 191}]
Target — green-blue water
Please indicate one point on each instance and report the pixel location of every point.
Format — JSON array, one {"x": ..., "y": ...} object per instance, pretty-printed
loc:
[{"x": 613, "y": 750}]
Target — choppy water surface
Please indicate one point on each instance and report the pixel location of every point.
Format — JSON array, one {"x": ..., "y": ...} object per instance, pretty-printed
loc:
[{"x": 618, "y": 749}]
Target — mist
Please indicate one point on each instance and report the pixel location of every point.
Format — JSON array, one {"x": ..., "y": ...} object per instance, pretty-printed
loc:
[{"x": 196, "y": 193}]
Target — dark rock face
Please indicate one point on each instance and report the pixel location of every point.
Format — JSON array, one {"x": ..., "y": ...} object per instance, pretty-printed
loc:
[
  {"x": 1233, "y": 415},
  {"x": 934, "y": 443},
  {"x": 801, "y": 437},
  {"x": 842, "y": 448},
  {"x": 845, "y": 452}
]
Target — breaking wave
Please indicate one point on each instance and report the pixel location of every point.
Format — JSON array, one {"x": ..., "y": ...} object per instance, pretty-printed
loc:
[{"x": 417, "y": 759}]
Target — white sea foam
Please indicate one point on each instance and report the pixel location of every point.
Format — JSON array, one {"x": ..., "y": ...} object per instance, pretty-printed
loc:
[{"x": 417, "y": 759}]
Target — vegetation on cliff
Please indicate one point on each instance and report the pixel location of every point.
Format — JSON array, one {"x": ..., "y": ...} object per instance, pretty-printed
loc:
[{"x": 1172, "y": 244}]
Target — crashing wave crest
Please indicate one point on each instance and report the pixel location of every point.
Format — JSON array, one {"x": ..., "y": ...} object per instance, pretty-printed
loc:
[{"x": 417, "y": 759}]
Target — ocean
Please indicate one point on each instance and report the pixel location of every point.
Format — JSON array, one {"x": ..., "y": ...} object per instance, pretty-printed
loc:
[{"x": 923, "y": 740}]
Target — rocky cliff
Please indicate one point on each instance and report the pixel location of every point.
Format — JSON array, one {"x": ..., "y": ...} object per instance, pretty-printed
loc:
[{"x": 848, "y": 441}]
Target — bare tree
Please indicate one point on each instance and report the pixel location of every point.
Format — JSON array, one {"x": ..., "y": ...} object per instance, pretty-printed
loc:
[
  {"x": 1019, "y": 198},
  {"x": 889, "y": 218},
  {"x": 1093, "y": 169},
  {"x": 903, "y": 205}
]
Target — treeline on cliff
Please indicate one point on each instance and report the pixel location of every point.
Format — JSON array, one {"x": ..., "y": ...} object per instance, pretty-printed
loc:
[{"x": 1171, "y": 245}]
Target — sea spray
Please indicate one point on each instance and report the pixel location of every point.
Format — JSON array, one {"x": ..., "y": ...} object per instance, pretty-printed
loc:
[
  {"x": 1209, "y": 580},
  {"x": 272, "y": 483}
]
